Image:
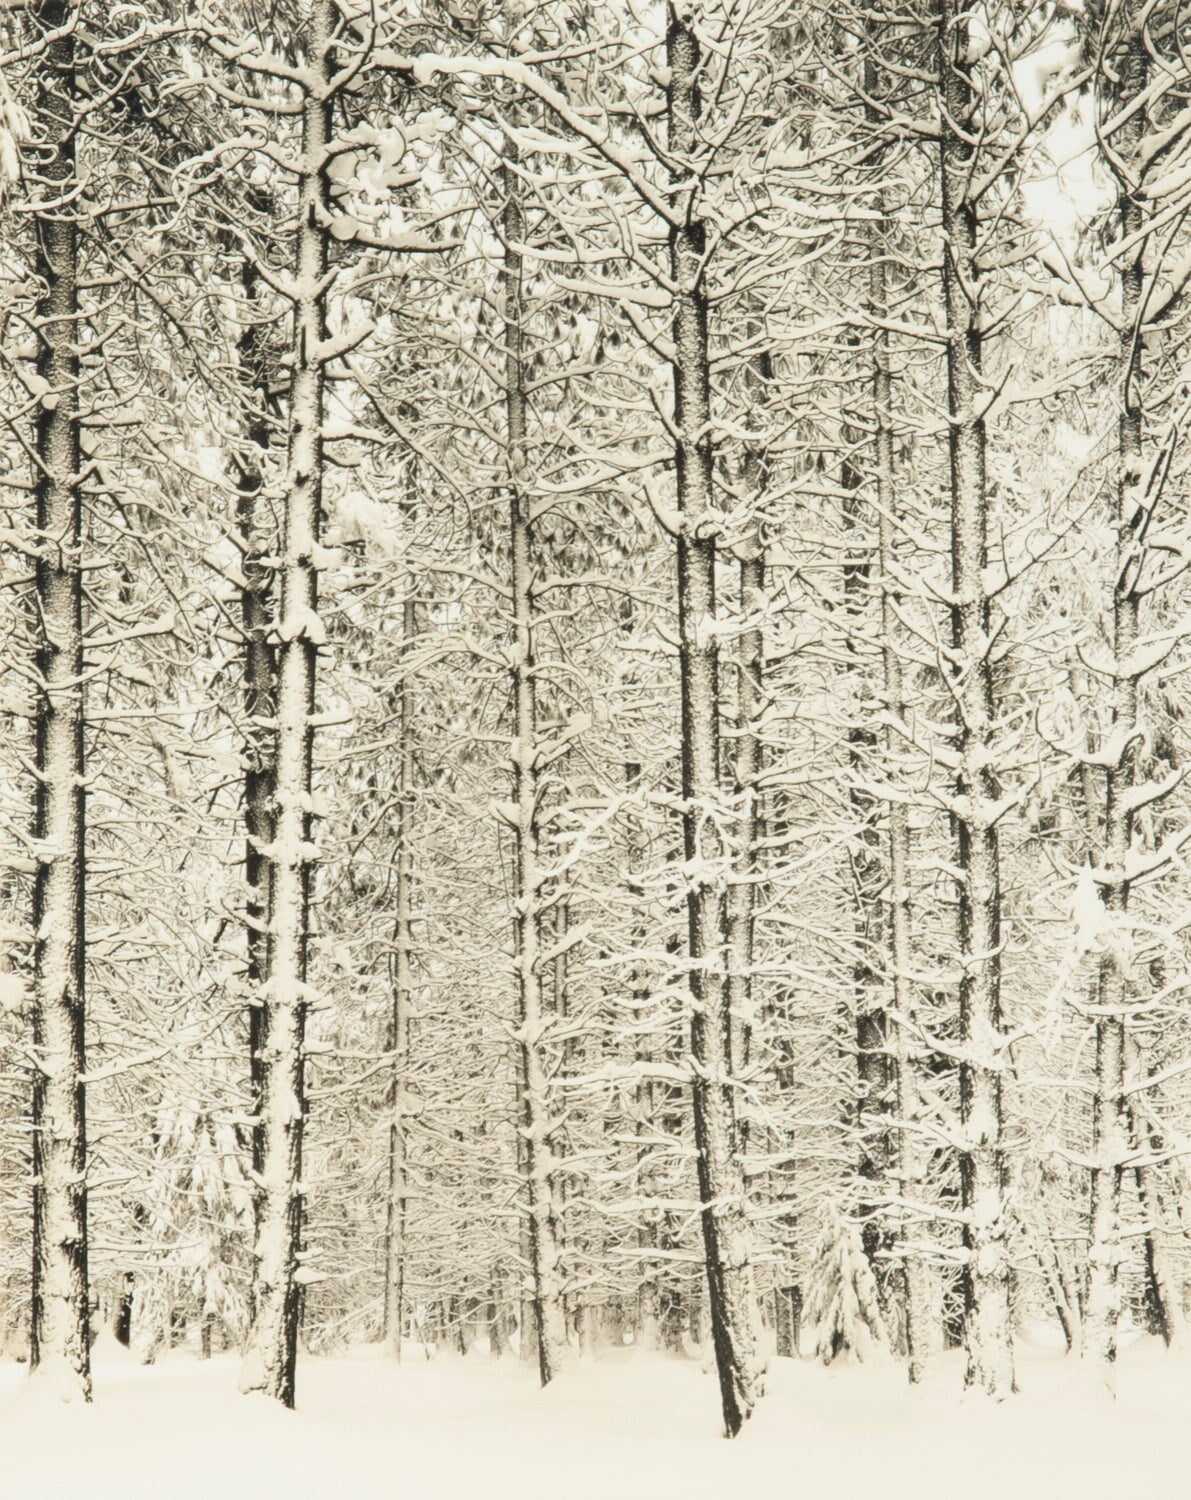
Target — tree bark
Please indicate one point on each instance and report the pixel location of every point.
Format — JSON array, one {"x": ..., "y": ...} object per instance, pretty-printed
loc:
[
  {"x": 987, "y": 1324},
  {"x": 741, "y": 898},
  {"x": 1110, "y": 1114},
  {"x": 869, "y": 1022},
  {"x": 60, "y": 1333},
  {"x": 904, "y": 1164},
  {"x": 271, "y": 1352},
  {"x": 645, "y": 1123},
  {"x": 1164, "y": 1277},
  {"x": 541, "y": 1186},
  {"x": 260, "y": 695},
  {"x": 726, "y": 1236},
  {"x": 401, "y": 980}
]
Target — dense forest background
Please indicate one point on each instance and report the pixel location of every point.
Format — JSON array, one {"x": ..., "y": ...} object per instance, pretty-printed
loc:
[{"x": 595, "y": 610}]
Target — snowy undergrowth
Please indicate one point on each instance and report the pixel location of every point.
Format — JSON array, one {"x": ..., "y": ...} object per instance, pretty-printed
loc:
[{"x": 622, "y": 1427}]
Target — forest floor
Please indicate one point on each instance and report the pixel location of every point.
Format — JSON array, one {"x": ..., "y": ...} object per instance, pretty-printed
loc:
[{"x": 624, "y": 1426}]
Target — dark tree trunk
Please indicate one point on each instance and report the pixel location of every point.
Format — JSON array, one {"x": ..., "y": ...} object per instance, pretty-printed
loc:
[
  {"x": 726, "y": 1236},
  {"x": 549, "y": 1319},
  {"x": 253, "y": 518},
  {"x": 271, "y": 1353},
  {"x": 401, "y": 982},
  {"x": 987, "y": 1324},
  {"x": 1111, "y": 1143},
  {"x": 60, "y": 1332}
]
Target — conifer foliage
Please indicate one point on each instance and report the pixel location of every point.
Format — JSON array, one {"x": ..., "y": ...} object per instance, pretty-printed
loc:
[{"x": 593, "y": 634}]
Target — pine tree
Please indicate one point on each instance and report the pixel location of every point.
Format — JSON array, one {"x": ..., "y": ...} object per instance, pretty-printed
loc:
[
  {"x": 60, "y": 1339},
  {"x": 270, "y": 1357}
]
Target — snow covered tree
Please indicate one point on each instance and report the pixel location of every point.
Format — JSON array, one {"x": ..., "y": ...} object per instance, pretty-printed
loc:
[{"x": 60, "y": 1337}]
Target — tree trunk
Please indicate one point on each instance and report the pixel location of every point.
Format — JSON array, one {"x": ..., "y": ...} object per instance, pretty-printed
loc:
[
  {"x": 645, "y": 1124},
  {"x": 742, "y": 892},
  {"x": 870, "y": 1026},
  {"x": 1164, "y": 1277},
  {"x": 527, "y": 1330},
  {"x": 741, "y": 898},
  {"x": 495, "y": 1314},
  {"x": 401, "y": 979},
  {"x": 905, "y": 1164},
  {"x": 726, "y": 1234},
  {"x": 60, "y": 1334},
  {"x": 253, "y": 519},
  {"x": 544, "y": 1238},
  {"x": 987, "y": 1325},
  {"x": 271, "y": 1351},
  {"x": 1110, "y": 1114}
]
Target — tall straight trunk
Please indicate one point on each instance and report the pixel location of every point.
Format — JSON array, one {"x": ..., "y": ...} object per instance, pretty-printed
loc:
[
  {"x": 59, "y": 1342},
  {"x": 904, "y": 1165},
  {"x": 577, "y": 1310},
  {"x": 747, "y": 759},
  {"x": 870, "y": 1025},
  {"x": 271, "y": 1351},
  {"x": 652, "y": 1226},
  {"x": 987, "y": 1322},
  {"x": 741, "y": 901},
  {"x": 659, "y": 1112},
  {"x": 527, "y": 1319},
  {"x": 1164, "y": 1279},
  {"x": 544, "y": 1232},
  {"x": 726, "y": 1236},
  {"x": 645, "y": 1126},
  {"x": 741, "y": 898},
  {"x": 1110, "y": 1111},
  {"x": 253, "y": 519},
  {"x": 401, "y": 978}
]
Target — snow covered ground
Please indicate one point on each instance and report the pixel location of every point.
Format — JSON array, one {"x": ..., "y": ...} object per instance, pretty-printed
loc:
[{"x": 627, "y": 1426}]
